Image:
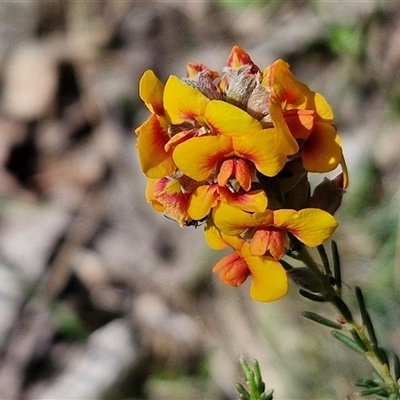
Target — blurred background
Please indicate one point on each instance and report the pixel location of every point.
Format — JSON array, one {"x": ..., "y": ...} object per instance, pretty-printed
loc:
[{"x": 103, "y": 298}]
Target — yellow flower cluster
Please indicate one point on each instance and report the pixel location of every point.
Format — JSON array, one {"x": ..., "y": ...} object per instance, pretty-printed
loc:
[{"x": 235, "y": 151}]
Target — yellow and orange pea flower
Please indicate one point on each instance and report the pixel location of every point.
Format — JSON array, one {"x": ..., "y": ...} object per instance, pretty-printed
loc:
[
  {"x": 297, "y": 119},
  {"x": 205, "y": 143},
  {"x": 269, "y": 281},
  {"x": 299, "y": 113},
  {"x": 211, "y": 132},
  {"x": 268, "y": 228}
]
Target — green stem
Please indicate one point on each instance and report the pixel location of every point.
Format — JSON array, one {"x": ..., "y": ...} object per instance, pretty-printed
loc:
[{"x": 335, "y": 299}]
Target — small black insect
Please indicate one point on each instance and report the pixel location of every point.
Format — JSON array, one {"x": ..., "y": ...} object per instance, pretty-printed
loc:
[{"x": 196, "y": 222}]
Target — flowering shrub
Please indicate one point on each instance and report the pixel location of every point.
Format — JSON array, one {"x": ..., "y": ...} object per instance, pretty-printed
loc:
[{"x": 235, "y": 150}]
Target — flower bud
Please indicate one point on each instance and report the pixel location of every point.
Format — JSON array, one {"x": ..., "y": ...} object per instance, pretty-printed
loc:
[{"x": 328, "y": 195}]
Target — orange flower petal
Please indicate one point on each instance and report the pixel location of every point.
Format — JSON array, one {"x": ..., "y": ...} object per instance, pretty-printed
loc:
[
  {"x": 195, "y": 69},
  {"x": 300, "y": 122},
  {"x": 259, "y": 147},
  {"x": 179, "y": 138},
  {"x": 284, "y": 140},
  {"x": 269, "y": 279},
  {"x": 238, "y": 58},
  {"x": 242, "y": 174},
  {"x": 155, "y": 162},
  {"x": 233, "y": 270},
  {"x": 259, "y": 242},
  {"x": 225, "y": 171},
  {"x": 166, "y": 196},
  {"x": 322, "y": 151},
  {"x": 226, "y": 119},
  {"x": 268, "y": 239},
  {"x": 151, "y": 92},
  {"x": 311, "y": 226},
  {"x": 197, "y": 157},
  {"x": 235, "y": 167},
  {"x": 286, "y": 89},
  {"x": 182, "y": 102}
]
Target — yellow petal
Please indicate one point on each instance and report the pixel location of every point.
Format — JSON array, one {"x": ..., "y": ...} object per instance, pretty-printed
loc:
[
  {"x": 226, "y": 119},
  {"x": 233, "y": 221},
  {"x": 322, "y": 151},
  {"x": 182, "y": 102},
  {"x": 151, "y": 92},
  {"x": 197, "y": 157},
  {"x": 217, "y": 240},
  {"x": 322, "y": 107},
  {"x": 345, "y": 172},
  {"x": 269, "y": 279},
  {"x": 259, "y": 147},
  {"x": 155, "y": 162},
  {"x": 202, "y": 200},
  {"x": 213, "y": 236},
  {"x": 254, "y": 201},
  {"x": 311, "y": 226}
]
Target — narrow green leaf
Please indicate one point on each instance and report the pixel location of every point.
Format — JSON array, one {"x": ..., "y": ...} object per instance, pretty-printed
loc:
[
  {"x": 245, "y": 367},
  {"x": 257, "y": 377},
  {"x": 358, "y": 340},
  {"x": 377, "y": 377},
  {"x": 366, "y": 383},
  {"x": 321, "y": 320},
  {"x": 269, "y": 394},
  {"x": 244, "y": 394},
  {"x": 366, "y": 318},
  {"x": 396, "y": 366},
  {"x": 286, "y": 265},
  {"x": 306, "y": 279},
  {"x": 377, "y": 390},
  {"x": 342, "y": 307},
  {"x": 253, "y": 389},
  {"x": 381, "y": 353},
  {"x": 312, "y": 296},
  {"x": 336, "y": 266},
  {"x": 348, "y": 342},
  {"x": 324, "y": 259}
]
